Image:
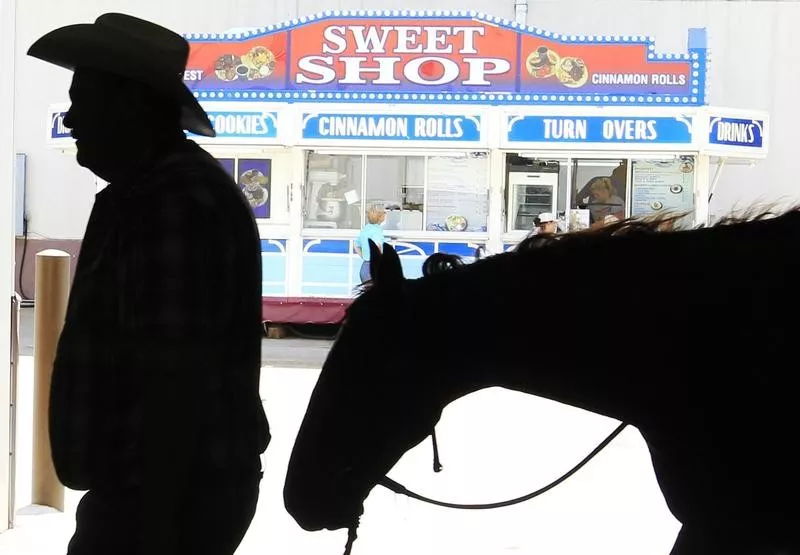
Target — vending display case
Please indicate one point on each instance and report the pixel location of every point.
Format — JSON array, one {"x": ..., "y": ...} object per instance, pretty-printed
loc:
[{"x": 533, "y": 191}]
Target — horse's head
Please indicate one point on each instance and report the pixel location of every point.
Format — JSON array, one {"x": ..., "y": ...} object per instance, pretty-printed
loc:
[{"x": 372, "y": 402}]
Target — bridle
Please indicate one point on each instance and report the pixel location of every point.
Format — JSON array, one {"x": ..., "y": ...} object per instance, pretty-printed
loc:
[{"x": 400, "y": 489}]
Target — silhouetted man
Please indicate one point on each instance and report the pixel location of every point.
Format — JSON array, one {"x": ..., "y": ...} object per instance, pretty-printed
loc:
[{"x": 155, "y": 408}]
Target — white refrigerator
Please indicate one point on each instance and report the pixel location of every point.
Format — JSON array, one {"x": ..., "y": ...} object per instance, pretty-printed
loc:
[{"x": 531, "y": 193}]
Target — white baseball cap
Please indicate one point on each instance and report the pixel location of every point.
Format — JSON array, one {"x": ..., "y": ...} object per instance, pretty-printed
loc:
[{"x": 546, "y": 217}]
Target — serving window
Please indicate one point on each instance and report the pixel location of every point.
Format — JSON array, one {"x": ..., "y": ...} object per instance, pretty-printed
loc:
[
  {"x": 599, "y": 190},
  {"x": 664, "y": 186},
  {"x": 333, "y": 191},
  {"x": 585, "y": 192},
  {"x": 397, "y": 183},
  {"x": 535, "y": 185},
  {"x": 420, "y": 193}
]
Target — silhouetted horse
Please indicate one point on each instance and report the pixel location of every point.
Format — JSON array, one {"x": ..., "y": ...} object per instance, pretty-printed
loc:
[{"x": 704, "y": 369}]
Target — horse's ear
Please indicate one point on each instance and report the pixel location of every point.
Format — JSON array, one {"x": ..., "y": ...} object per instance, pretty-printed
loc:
[
  {"x": 390, "y": 270},
  {"x": 374, "y": 258}
]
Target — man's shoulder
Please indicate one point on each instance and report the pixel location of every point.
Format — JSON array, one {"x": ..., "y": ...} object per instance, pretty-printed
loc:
[
  {"x": 191, "y": 165},
  {"x": 188, "y": 176}
]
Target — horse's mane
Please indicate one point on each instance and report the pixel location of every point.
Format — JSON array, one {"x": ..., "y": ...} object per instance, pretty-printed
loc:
[
  {"x": 439, "y": 263},
  {"x": 647, "y": 225}
]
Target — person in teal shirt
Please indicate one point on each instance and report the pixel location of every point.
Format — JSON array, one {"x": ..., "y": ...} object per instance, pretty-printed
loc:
[{"x": 376, "y": 215}]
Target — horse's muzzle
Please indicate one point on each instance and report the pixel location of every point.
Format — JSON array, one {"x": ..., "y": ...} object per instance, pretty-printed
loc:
[{"x": 317, "y": 505}]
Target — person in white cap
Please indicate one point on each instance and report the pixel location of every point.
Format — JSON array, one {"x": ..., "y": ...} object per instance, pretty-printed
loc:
[
  {"x": 154, "y": 404},
  {"x": 546, "y": 223}
]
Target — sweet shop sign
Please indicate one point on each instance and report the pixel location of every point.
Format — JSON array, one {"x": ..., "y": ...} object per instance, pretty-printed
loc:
[{"x": 441, "y": 57}]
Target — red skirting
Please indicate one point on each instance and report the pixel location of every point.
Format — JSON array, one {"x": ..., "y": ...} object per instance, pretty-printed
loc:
[{"x": 303, "y": 310}]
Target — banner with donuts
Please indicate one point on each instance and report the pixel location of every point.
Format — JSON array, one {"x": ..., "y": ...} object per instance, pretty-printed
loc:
[{"x": 356, "y": 56}]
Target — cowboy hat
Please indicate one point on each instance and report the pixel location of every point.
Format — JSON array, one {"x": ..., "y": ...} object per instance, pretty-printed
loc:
[{"x": 129, "y": 47}]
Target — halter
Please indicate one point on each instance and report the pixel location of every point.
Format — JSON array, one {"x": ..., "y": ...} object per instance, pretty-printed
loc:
[{"x": 400, "y": 489}]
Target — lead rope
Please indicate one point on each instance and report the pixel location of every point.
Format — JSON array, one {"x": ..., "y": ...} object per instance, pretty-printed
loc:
[
  {"x": 352, "y": 535},
  {"x": 352, "y": 531},
  {"x": 437, "y": 464},
  {"x": 400, "y": 489}
]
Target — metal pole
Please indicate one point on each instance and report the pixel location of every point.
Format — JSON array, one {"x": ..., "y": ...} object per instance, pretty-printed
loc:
[
  {"x": 715, "y": 180},
  {"x": 521, "y": 11},
  {"x": 52, "y": 292},
  {"x": 12, "y": 459},
  {"x": 7, "y": 85}
]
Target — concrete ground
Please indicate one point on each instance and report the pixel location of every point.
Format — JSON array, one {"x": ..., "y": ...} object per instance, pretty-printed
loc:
[
  {"x": 291, "y": 352},
  {"x": 494, "y": 444}
]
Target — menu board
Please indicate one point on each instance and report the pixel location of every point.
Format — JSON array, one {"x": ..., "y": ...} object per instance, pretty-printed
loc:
[
  {"x": 663, "y": 186},
  {"x": 458, "y": 193}
]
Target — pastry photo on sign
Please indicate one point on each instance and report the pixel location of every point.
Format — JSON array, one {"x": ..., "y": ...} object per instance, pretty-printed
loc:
[
  {"x": 254, "y": 186},
  {"x": 258, "y": 63},
  {"x": 572, "y": 72},
  {"x": 544, "y": 63}
]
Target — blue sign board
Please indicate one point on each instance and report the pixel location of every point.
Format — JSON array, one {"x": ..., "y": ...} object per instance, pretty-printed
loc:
[
  {"x": 240, "y": 125},
  {"x": 388, "y": 127},
  {"x": 598, "y": 129},
  {"x": 748, "y": 133},
  {"x": 57, "y": 129},
  {"x": 245, "y": 125}
]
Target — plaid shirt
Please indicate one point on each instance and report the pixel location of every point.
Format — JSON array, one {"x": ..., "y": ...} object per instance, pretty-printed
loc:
[{"x": 158, "y": 364}]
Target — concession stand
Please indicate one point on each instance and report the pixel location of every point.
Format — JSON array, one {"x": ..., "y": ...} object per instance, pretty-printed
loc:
[{"x": 463, "y": 126}]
